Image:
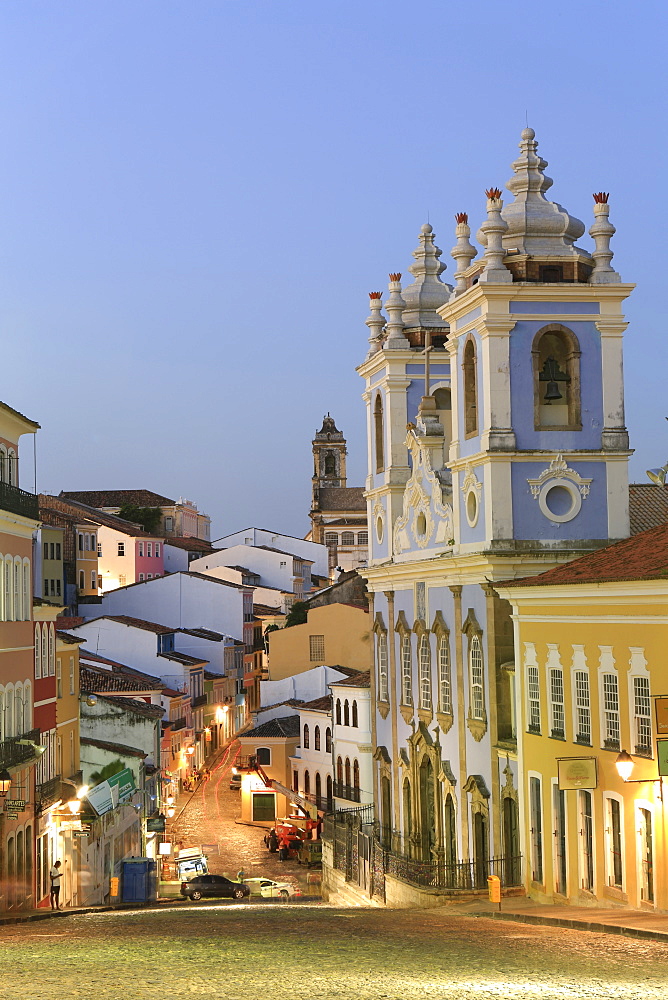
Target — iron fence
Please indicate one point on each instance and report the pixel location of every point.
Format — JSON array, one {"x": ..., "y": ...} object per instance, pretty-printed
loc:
[{"x": 17, "y": 501}]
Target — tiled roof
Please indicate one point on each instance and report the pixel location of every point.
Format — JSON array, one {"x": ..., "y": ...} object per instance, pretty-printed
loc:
[
  {"x": 135, "y": 623},
  {"x": 203, "y": 633},
  {"x": 121, "y": 748},
  {"x": 93, "y": 659},
  {"x": 282, "y": 552},
  {"x": 21, "y": 416},
  {"x": 323, "y": 704},
  {"x": 341, "y": 498},
  {"x": 184, "y": 658},
  {"x": 138, "y": 707},
  {"x": 100, "y": 680},
  {"x": 641, "y": 557},
  {"x": 648, "y": 506},
  {"x": 64, "y": 622},
  {"x": 118, "y": 498},
  {"x": 211, "y": 675},
  {"x": 57, "y": 518},
  {"x": 69, "y": 639},
  {"x": 190, "y": 544},
  {"x": 360, "y": 680},
  {"x": 264, "y": 609},
  {"x": 275, "y": 728},
  {"x": 341, "y": 522},
  {"x": 100, "y": 517}
]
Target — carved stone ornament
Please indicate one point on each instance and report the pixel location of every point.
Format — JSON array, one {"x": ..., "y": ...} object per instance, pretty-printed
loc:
[
  {"x": 471, "y": 481},
  {"x": 378, "y": 520},
  {"x": 424, "y": 515},
  {"x": 561, "y": 482}
]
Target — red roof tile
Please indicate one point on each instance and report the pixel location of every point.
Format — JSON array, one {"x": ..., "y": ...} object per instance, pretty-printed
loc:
[
  {"x": 117, "y": 498},
  {"x": 641, "y": 557},
  {"x": 648, "y": 506}
]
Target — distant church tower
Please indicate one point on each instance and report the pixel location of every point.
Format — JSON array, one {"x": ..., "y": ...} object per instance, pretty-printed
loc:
[
  {"x": 338, "y": 512},
  {"x": 329, "y": 456}
]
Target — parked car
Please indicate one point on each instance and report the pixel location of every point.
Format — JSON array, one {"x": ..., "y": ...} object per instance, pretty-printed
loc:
[
  {"x": 213, "y": 885},
  {"x": 235, "y": 782},
  {"x": 269, "y": 889}
]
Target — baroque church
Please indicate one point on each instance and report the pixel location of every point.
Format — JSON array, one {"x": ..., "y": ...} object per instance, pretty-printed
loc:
[{"x": 498, "y": 449}]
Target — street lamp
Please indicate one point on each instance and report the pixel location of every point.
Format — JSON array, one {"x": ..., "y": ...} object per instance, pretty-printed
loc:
[
  {"x": 624, "y": 765},
  {"x": 74, "y": 805},
  {"x": 5, "y": 782},
  {"x": 658, "y": 476}
]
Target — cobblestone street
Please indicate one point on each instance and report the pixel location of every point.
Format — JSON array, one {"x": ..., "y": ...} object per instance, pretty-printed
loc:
[
  {"x": 294, "y": 951},
  {"x": 208, "y": 817}
]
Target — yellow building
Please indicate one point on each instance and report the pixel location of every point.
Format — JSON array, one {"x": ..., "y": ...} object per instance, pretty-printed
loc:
[
  {"x": 591, "y": 641},
  {"x": 271, "y": 744},
  {"x": 335, "y": 634}
]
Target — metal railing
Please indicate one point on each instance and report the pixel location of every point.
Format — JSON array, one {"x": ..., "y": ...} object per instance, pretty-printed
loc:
[
  {"x": 461, "y": 876},
  {"x": 349, "y": 792},
  {"x": 18, "y": 501}
]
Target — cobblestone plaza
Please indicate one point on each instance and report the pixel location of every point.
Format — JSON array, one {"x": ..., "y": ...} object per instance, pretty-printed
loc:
[{"x": 245, "y": 952}]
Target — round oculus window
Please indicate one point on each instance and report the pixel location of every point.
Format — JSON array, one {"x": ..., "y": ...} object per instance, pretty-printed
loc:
[{"x": 560, "y": 500}]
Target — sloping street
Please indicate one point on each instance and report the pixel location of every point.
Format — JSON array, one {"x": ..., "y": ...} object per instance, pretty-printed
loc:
[{"x": 208, "y": 818}]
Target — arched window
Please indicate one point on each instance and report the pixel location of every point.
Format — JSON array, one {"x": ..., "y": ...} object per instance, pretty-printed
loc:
[
  {"x": 45, "y": 650},
  {"x": 425, "y": 672},
  {"x": 306, "y": 737},
  {"x": 331, "y": 539},
  {"x": 9, "y": 611},
  {"x": 347, "y": 770},
  {"x": 9, "y": 711},
  {"x": 329, "y": 791},
  {"x": 18, "y": 591},
  {"x": 330, "y": 464},
  {"x": 263, "y": 755},
  {"x": 318, "y": 786},
  {"x": 328, "y": 740},
  {"x": 339, "y": 770},
  {"x": 379, "y": 433},
  {"x": 3, "y": 720},
  {"x": 443, "y": 399},
  {"x": 444, "y": 683},
  {"x": 338, "y": 711},
  {"x": 52, "y": 650},
  {"x": 476, "y": 674},
  {"x": 356, "y": 773},
  {"x": 27, "y": 596},
  {"x": 316, "y": 738},
  {"x": 470, "y": 390},
  {"x": 362, "y": 537},
  {"x": 3, "y": 464},
  {"x": 556, "y": 367},
  {"x": 346, "y": 713},
  {"x": 307, "y": 783},
  {"x": 383, "y": 690},
  {"x": 348, "y": 538},
  {"x": 12, "y": 468},
  {"x": 27, "y": 707},
  {"x": 355, "y": 720},
  {"x": 38, "y": 651},
  {"x": 82, "y": 580},
  {"x": 406, "y": 670}
]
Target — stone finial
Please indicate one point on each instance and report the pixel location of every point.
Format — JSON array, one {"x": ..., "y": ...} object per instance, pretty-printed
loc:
[
  {"x": 427, "y": 293},
  {"x": 376, "y": 323},
  {"x": 395, "y": 305},
  {"x": 535, "y": 225},
  {"x": 463, "y": 252},
  {"x": 491, "y": 235},
  {"x": 602, "y": 232}
]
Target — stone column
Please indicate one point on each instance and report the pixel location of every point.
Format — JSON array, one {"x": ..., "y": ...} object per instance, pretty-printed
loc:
[{"x": 461, "y": 721}]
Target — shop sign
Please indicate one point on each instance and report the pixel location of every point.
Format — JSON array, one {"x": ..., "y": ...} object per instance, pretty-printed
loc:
[
  {"x": 155, "y": 824},
  {"x": 661, "y": 709},
  {"x": 107, "y": 794},
  {"x": 662, "y": 754},
  {"x": 577, "y": 772},
  {"x": 15, "y": 805}
]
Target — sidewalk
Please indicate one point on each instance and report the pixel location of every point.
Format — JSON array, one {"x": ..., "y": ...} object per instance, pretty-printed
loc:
[{"x": 602, "y": 920}]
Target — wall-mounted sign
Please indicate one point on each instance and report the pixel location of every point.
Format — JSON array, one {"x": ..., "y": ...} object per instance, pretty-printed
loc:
[
  {"x": 15, "y": 805},
  {"x": 155, "y": 824},
  {"x": 107, "y": 794},
  {"x": 577, "y": 772},
  {"x": 661, "y": 709},
  {"x": 662, "y": 754}
]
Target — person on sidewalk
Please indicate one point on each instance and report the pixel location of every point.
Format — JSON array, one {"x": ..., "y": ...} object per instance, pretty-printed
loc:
[{"x": 55, "y": 874}]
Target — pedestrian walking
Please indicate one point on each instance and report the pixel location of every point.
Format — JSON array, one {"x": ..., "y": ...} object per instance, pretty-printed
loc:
[
  {"x": 241, "y": 875},
  {"x": 55, "y": 874}
]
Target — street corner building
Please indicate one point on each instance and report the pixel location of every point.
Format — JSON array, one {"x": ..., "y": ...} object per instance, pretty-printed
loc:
[{"x": 497, "y": 450}]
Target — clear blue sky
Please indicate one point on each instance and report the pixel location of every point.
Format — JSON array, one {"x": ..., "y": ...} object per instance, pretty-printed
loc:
[{"x": 196, "y": 197}]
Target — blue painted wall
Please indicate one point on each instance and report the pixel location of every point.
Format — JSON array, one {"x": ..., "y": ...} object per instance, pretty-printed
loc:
[{"x": 528, "y": 520}]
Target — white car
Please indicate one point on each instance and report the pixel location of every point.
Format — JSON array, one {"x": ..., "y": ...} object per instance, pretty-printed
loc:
[{"x": 268, "y": 888}]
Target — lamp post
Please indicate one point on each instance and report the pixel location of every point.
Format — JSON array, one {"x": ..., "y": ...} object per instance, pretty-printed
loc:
[
  {"x": 625, "y": 764},
  {"x": 5, "y": 782}
]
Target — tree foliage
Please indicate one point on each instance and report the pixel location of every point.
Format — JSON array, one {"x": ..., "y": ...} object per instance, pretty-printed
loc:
[
  {"x": 108, "y": 771},
  {"x": 297, "y": 614},
  {"x": 148, "y": 517}
]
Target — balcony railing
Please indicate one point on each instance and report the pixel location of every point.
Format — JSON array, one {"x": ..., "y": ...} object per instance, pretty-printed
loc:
[
  {"x": 348, "y": 792},
  {"x": 460, "y": 876},
  {"x": 17, "y": 501},
  {"x": 13, "y": 752}
]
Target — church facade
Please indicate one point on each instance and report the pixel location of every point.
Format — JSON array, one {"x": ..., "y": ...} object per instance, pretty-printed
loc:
[{"x": 497, "y": 450}]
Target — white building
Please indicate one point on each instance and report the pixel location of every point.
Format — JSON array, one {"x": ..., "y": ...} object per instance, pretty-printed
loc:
[
  {"x": 276, "y": 568},
  {"x": 271, "y": 597},
  {"x": 352, "y": 751},
  {"x": 184, "y": 600},
  {"x": 311, "y": 551},
  {"x": 312, "y": 769}
]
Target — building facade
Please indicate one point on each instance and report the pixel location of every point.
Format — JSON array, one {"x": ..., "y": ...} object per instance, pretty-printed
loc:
[{"x": 496, "y": 449}]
